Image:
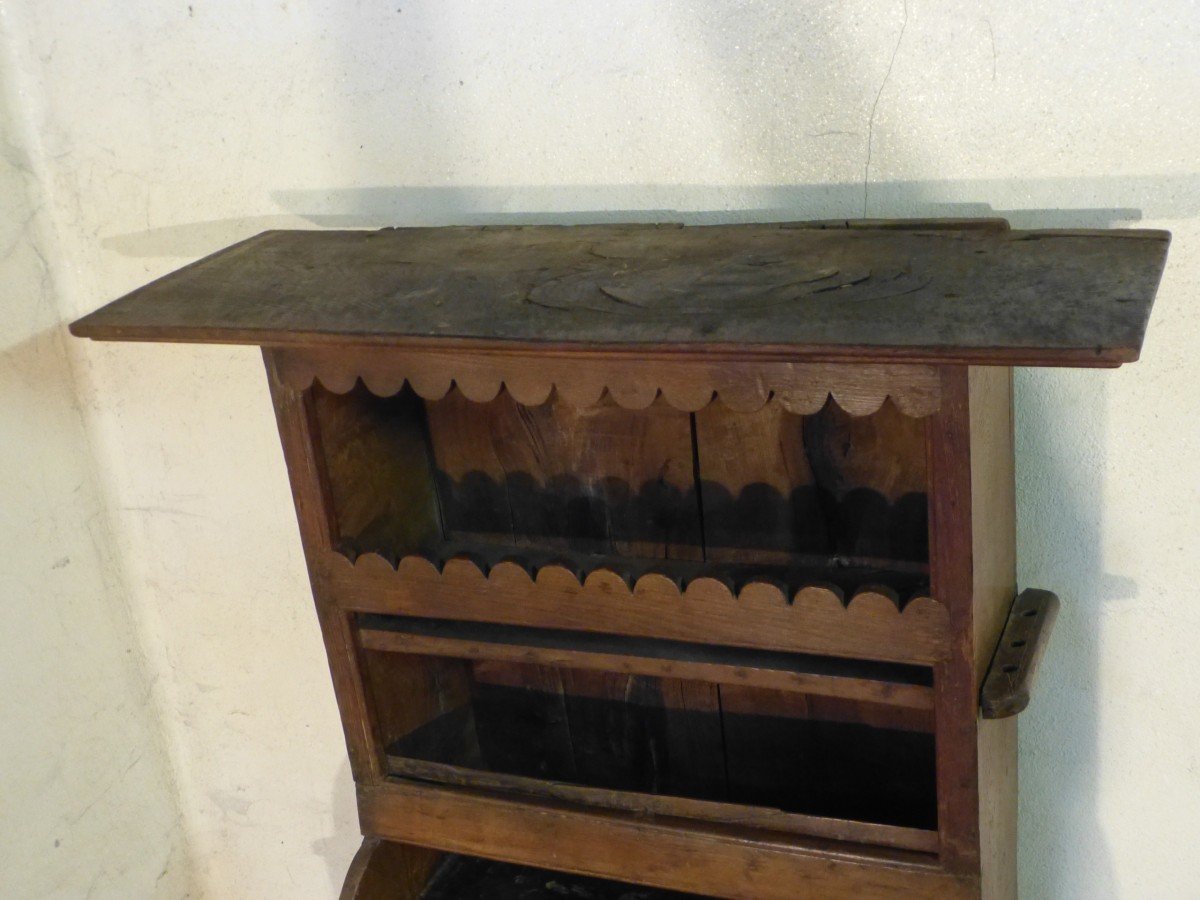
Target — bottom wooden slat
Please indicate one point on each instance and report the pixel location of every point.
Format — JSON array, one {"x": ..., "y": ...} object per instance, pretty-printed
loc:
[
  {"x": 668, "y": 853},
  {"x": 765, "y": 819}
]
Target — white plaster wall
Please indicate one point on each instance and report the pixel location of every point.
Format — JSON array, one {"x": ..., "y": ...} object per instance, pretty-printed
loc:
[
  {"x": 168, "y": 129},
  {"x": 87, "y": 803}
]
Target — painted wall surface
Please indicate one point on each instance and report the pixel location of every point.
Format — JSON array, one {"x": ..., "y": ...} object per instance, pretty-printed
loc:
[
  {"x": 167, "y": 130},
  {"x": 87, "y": 803}
]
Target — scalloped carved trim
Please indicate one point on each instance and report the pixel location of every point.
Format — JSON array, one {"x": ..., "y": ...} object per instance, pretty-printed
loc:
[
  {"x": 816, "y": 619},
  {"x": 688, "y": 384}
]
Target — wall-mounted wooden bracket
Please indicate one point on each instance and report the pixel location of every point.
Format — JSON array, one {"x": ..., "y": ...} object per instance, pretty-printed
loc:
[
  {"x": 660, "y": 559},
  {"x": 1009, "y": 681}
]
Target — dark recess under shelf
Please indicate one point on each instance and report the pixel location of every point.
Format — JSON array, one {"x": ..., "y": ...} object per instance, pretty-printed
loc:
[{"x": 471, "y": 878}]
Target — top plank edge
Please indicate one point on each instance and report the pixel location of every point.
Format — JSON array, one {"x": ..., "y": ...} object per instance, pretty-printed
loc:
[
  {"x": 1084, "y": 358},
  {"x": 921, "y": 291}
]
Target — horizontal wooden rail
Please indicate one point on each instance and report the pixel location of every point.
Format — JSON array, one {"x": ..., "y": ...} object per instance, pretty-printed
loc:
[
  {"x": 814, "y": 620},
  {"x": 643, "y": 804},
  {"x": 685, "y": 384},
  {"x": 711, "y": 860},
  {"x": 892, "y": 684}
]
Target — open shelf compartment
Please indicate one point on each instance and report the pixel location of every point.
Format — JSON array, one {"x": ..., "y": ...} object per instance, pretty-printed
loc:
[
  {"x": 805, "y": 533},
  {"x": 717, "y": 485},
  {"x": 829, "y": 748}
]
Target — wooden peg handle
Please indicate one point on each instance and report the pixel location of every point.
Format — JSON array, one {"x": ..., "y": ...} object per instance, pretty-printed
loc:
[{"x": 1009, "y": 682}]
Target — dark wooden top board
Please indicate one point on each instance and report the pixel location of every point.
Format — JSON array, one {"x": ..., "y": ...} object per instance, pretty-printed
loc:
[{"x": 970, "y": 291}]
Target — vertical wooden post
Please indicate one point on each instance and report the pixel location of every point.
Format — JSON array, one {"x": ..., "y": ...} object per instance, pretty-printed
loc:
[
  {"x": 948, "y": 452},
  {"x": 301, "y": 452},
  {"x": 993, "y": 538},
  {"x": 972, "y": 570}
]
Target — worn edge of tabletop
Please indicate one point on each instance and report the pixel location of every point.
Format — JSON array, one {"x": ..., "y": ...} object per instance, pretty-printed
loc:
[{"x": 95, "y": 325}]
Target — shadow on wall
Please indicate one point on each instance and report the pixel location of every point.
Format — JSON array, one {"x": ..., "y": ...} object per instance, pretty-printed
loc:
[
  {"x": 1059, "y": 501},
  {"x": 1060, "y": 472},
  {"x": 332, "y": 849},
  {"x": 379, "y": 207}
]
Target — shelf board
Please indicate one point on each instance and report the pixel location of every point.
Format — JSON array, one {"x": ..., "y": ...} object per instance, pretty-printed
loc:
[
  {"x": 762, "y": 819},
  {"x": 921, "y": 291},
  {"x": 889, "y": 683},
  {"x": 735, "y": 606}
]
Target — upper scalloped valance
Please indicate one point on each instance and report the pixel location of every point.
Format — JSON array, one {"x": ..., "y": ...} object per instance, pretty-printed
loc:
[
  {"x": 870, "y": 623},
  {"x": 687, "y": 384}
]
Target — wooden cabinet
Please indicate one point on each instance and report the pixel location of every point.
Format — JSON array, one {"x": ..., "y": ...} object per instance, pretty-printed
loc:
[{"x": 672, "y": 556}]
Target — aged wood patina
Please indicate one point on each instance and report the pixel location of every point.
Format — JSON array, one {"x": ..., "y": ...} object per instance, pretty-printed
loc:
[
  {"x": 915, "y": 292},
  {"x": 656, "y": 561}
]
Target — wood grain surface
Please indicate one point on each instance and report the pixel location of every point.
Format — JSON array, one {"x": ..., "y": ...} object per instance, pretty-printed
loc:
[{"x": 917, "y": 291}]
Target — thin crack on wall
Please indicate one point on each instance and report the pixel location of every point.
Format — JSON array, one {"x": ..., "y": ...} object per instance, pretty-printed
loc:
[{"x": 875, "y": 106}]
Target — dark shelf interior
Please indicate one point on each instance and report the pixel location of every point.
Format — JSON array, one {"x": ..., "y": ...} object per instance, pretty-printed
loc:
[
  {"x": 523, "y": 725},
  {"x": 798, "y": 498},
  {"x": 472, "y": 878}
]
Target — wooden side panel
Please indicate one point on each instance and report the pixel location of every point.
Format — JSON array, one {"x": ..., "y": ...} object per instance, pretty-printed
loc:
[
  {"x": 993, "y": 531},
  {"x": 378, "y": 471},
  {"x": 973, "y": 575},
  {"x": 993, "y": 508},
  {"x": 998, "y": 808},
  {"x": 602, "y": 478},
  {"x": 303, "y": 454}
]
